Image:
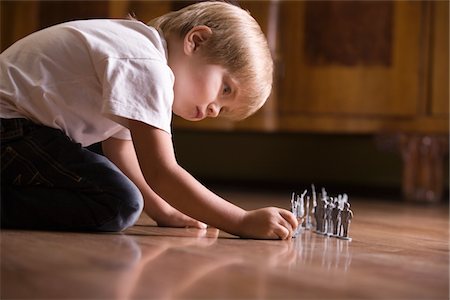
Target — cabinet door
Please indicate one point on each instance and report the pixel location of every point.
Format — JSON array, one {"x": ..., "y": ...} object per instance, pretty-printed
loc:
[
  {"x": 439, "y": 59},
  {"x": 350, "y": 58}
]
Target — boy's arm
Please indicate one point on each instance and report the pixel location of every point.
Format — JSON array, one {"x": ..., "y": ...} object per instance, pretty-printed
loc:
[
  {"x": 158, "y": 163},
  {"x": 123, "y": 155}
]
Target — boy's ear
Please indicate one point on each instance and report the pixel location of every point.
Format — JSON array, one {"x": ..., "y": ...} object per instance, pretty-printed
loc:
[{"x": 195, "y": 38}]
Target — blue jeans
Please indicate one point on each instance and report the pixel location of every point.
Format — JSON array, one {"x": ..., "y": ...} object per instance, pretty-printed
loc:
[{"x": 49, "y": 182}]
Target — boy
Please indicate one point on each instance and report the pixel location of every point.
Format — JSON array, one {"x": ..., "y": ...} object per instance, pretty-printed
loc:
[{"x": 118, "y": 82}]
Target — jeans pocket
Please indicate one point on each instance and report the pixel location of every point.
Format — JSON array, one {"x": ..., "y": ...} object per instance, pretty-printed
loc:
[
  {"x": 18, "y": 170},
  {"x": 53, "y": 168}
]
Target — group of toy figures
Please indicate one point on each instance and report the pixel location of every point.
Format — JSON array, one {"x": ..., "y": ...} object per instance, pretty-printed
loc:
[{"x": 330, "y": 216}]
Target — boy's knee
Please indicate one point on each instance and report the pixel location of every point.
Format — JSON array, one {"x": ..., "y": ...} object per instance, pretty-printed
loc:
[{"x": 130, "y": 205}]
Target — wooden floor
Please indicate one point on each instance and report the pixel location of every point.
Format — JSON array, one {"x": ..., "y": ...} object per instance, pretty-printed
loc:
[{"x": 398, "y": 251}]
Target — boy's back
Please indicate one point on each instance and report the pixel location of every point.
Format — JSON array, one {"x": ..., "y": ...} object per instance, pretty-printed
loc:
[{"x": 73, "y": 76}]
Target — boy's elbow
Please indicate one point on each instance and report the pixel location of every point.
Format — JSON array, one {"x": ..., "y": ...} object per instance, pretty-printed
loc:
[{"x": 159, "y": 177}]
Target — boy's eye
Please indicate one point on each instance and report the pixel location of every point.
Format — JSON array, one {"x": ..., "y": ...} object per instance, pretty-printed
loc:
[{"x": 226, "y": 90}]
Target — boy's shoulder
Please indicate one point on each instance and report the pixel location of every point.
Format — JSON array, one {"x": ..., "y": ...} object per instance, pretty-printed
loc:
[{"x": 117, "y": 37}]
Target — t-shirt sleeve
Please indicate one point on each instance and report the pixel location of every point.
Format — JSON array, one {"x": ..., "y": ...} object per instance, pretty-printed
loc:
[
  {"x": 123, "y": 134},
  {"x": 139, "y": 89}
]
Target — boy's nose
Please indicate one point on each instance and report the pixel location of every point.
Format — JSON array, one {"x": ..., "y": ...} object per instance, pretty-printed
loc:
[{"x": 213, "y": 110}]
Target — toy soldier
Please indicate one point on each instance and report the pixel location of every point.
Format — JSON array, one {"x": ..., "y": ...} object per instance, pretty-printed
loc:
[
  {"x": 320, "y": 215},
  {"x": 328, "y": 217},
  {"x": 293, "y": 204},
  {"x": 305, "y": 213},
  {"x": 336, "y": 217},
  {"x": 346, "y": 217},
  {"x": 317, "y": 215},
  {"x": 314, "y": 205},
  {"x": 300, "y": 210}
]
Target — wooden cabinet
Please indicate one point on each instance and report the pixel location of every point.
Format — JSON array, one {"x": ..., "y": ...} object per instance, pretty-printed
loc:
[
  {"x": 341, "y": 58},
  {"x": 345, "y": 61},
  {"x": 341, "y": 66},
  {"x": 353, "y": 67}
]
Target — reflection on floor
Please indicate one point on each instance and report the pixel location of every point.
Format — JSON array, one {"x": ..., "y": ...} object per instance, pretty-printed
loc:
[{"x": 399, "y": 251}]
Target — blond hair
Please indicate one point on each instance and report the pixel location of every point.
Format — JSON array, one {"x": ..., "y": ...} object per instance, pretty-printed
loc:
[{"x": 237, "y": 43}]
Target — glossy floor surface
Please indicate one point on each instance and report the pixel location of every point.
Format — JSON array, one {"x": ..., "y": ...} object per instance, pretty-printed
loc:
[{"x": 398, "y": 251}]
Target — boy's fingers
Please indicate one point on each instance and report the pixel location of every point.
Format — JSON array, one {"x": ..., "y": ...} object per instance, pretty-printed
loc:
[
  {"x": 196, "y": 224},
  {"x": 282, "y": 232},
  {"x": 286, "y": 225},
  {"x": 201, "y": 225},
  {"x": 289, "y": 217}
]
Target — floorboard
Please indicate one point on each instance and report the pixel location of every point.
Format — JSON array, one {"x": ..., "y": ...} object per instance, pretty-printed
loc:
[{"x": 398, "y": 251}]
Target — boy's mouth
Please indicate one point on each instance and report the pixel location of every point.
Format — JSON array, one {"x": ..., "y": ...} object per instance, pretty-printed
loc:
[{"x": 199, "y": 114}]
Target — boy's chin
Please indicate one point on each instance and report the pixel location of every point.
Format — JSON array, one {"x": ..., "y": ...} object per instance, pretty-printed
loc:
[{"x": 190, "y": 119}]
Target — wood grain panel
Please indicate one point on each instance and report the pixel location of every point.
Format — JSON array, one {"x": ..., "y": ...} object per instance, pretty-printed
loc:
[
  {"x": 398, "y": 251},
  {"x": 440, "y": 61},
  {"x": 348, "y": 33},
  {"x": 390, "y": 89}
]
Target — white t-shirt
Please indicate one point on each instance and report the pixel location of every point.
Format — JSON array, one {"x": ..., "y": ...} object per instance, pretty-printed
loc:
[{"x": 77, "y": 76}]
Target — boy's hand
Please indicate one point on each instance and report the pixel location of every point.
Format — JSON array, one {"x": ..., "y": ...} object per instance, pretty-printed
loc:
[
  {"x": 177, "y": 219},
  {"x": 268, "y": 223}
]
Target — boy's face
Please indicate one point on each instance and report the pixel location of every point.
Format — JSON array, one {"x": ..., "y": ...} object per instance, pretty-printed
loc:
[{"x": 203, "y": 90}]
